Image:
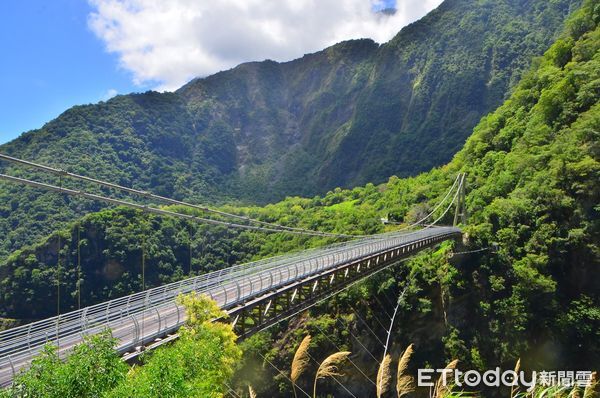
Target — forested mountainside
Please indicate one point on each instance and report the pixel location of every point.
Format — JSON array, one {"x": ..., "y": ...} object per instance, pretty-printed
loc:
[
  {"x": 354, "y": 113},
  {"x": 533, "y": 197}
]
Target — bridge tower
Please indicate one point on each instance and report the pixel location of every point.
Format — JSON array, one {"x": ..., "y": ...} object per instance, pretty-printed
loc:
[{"x": 460, "y": 213}]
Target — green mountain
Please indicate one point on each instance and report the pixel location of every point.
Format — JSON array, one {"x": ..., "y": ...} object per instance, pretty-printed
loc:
[
  {"x": 354, "y": 113},
  {"x": 529, "y": 290},
  {"x": 533, "y": 168}
]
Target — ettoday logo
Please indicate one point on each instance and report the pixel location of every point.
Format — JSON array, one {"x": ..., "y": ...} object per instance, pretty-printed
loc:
[{"x": 508, "y": 378}]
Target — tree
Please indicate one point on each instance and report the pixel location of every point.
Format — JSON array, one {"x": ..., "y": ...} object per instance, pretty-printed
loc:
[
  {"x": 197, "y": 365},
  {"x": 91, "y": 369}
]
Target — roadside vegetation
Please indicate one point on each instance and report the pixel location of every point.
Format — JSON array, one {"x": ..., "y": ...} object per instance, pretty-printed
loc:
[{"x": 198, "y": 364}]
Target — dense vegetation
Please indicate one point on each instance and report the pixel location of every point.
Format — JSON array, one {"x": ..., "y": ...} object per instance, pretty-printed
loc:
[
  {"x": 198, "y": 364},
  {"x": 354, "y": 113},
  {"x": 533, "y": 168}
]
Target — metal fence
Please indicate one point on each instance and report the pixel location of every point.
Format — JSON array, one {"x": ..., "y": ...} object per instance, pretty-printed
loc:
[{"x": 143, "y": 316}]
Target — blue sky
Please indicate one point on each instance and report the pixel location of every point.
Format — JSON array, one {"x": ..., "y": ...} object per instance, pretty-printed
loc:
[
  {"x": 54, "y": 56},
  {"x": 50, "y": 62}
]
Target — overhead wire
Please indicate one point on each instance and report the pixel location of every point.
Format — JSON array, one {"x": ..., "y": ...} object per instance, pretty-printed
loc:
[
  {"x": 270, "y": 227},
  {"x": 146, "y": 208},
  {"x": 150, "y": 195}
]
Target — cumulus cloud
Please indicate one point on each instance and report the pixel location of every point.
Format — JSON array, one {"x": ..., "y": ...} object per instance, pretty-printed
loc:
[{"x": 166, "y": 43}]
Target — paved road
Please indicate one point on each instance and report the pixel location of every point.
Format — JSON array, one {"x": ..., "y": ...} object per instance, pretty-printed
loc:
[{"x": 142, "y": 317}]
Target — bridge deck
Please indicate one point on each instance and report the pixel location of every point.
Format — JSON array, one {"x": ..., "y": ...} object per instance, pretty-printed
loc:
[{"x": 142, "y": 317}]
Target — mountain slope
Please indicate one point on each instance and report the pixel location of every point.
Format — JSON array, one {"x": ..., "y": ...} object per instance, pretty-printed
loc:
[
  {"x": 346, "y": 115},
  {"x": 532, "y": 292},
  {"x": 358, "y": 113}
]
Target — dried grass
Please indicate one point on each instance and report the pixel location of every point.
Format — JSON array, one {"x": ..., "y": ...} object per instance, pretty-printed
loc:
[
  {"x": 383, "y": 376},
  {"x": 590, "y": 390},
  {"x": 515, "y": 389},
  {"x": 251, "y": 391},
  {"x": 442, "y": 389},
  {"x": 405, "y": 383},
  {"x": 301, "y": 359},
  {"x": 329, "y": 367}
]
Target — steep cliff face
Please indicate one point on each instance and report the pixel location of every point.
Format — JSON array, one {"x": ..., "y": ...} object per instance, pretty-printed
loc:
[{"x": 358, "y": 112}]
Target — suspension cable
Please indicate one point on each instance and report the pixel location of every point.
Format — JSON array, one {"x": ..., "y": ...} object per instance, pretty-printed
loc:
[
  {"x": 434, "y": 209},
  {"x": 154, "y": 210},
  {"x": 151, "y": 195},
  {"x": 447, "y": 208},
  {"x": 389, "y": 331},
  {"x": 492, "y": 248},
  {"x": 78, "y": 266},
  {"x": 272, "y": 226}
]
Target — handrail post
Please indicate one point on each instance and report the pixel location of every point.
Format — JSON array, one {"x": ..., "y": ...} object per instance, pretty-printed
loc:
[
  {"x": 239, "y": 290},
  {"x": 159, "y": 320},
  {"x": 136, "y": 330}
]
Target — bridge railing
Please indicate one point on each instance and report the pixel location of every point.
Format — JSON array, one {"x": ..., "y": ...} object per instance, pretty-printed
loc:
[{"x": 127, "y": 316}]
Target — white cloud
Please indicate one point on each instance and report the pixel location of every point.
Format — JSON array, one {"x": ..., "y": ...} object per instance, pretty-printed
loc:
[
  {"x": 111, "y": 92},
  {"x": 166, "y": 43}
]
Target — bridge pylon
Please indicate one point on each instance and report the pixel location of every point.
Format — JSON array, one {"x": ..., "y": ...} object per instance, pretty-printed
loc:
[{"x": 460, "y": 213}]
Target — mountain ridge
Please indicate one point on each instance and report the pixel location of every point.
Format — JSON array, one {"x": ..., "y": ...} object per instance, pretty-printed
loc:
[{"x": 353, "y": 113}]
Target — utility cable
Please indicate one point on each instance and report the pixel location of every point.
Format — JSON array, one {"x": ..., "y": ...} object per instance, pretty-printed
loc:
[
  {"x": 283, "y": 374},
  {"x": 339, "y": 349},
  {"x": 149, "y": 195},
  {"x": 149, "y": 209}
]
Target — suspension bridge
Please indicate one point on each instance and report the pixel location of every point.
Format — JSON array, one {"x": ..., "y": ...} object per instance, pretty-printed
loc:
[{"x": 255, "y": 295}]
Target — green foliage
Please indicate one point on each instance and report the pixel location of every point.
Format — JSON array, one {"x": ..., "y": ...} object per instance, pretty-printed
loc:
[
  {"x": 533, "y": 168},
  {"x": 353, "y": 113},
  {"x": 91, "y": 369},
  {"x": 198, "y": 364}
]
